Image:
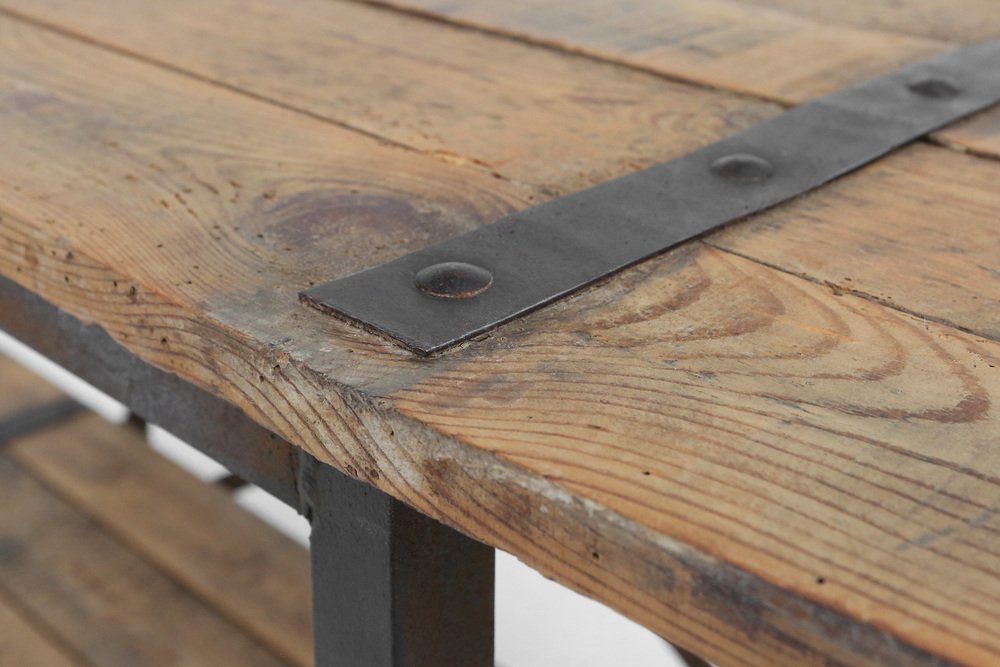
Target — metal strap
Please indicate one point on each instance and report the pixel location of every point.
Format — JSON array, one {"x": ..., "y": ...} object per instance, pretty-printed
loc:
[{"x": 446, "y": 293}]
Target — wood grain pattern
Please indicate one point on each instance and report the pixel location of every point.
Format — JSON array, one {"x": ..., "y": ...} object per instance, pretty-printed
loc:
[
  {"x": 63, "y": 568},
  {"x": 956, "y": 20},
  {"x": 256, "y": 577},
  {"x": 21, "y": 389},
  {"x": 419, "y": 74},
  {"x": 555, "y": 122},
  {"x": 835, "y": 448},
  {"x": 784, "y": 56},
  {"x": 23, "y": 645},
  {"x": 926, "y": 231},
  {"x": 26, "y": 642},
  {"x": 819, "y": 465}
]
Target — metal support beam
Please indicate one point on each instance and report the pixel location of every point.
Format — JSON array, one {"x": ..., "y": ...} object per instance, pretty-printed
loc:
[
  {"x": 392, "y": 587},
  {"x": 207, "y": 422}
]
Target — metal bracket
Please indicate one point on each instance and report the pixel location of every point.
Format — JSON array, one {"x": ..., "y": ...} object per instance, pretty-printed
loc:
[{"x": 446, "y": 293}]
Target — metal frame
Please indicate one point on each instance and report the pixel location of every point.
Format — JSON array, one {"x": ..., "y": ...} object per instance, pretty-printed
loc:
[{"x": 391, "y": 586}]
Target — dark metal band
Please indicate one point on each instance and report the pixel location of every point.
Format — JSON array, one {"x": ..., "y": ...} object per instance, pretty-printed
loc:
[{"x": 446, "y": 293}]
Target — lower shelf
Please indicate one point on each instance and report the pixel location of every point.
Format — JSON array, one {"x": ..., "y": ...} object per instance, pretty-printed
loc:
[{"x": 112, "y": 555}]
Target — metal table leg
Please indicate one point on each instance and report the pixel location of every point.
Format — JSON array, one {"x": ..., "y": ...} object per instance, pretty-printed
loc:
[{"x": 390, "y": 585}]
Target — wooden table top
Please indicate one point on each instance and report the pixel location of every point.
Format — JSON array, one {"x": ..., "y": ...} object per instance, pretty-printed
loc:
[{"x": 776, "y": 445}]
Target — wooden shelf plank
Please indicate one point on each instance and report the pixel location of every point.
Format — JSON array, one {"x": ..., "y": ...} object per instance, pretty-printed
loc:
[
  {"x": 23, "y": 645},
  {"x": 107, "y": 603},
  {"x": 190, "y": 530},
  {"x": 555, "y": 122},
  {"x": 956, "y": 20},
  {"x": 778, "y": 55},
  {"x": 425, "y": 85},
  {"x": 916, "y": 230},
  {"x": 22, "y": 390}
]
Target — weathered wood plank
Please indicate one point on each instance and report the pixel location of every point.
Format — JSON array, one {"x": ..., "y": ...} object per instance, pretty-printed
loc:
[
  {"x": 21, "y": 389},
  {"x": 918, "y": 230},
  {"x": 108, "y": 604},
  {"x": 756, "y": 411},
  {"x": 788, "y": 57},
  {"x": 23, "y": 645},
  {"x": 235, "y": 220},
  {"x": 420, "y": 76},
  {"x": 837, "y": 449},
  {"x": 190, "y": 530},
  {"x": 555, "y": 122},
  {"x": 426, "y": 85},
  {"x": 956, "y": 20}
]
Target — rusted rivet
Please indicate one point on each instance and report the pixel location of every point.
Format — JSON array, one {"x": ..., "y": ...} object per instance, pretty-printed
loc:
[
  {"x": 453, "y": 280},
  {"x": 742, "y": 168},
  {"x": 933, "y": 87}
]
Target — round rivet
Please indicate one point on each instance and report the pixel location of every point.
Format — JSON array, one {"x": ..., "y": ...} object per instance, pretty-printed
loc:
[
  {"x": 453, "y": 280},
  {"x": 933, "y": 87},
  {"x": 742, "y": 168}
]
